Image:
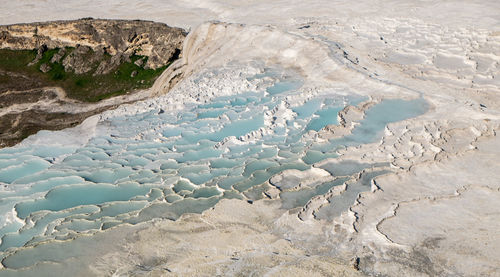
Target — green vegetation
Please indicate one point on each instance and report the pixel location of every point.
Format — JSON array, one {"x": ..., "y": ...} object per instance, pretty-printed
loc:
[
  {"x": 12, "y": 60},
  {"x": 83, "y": 87}
]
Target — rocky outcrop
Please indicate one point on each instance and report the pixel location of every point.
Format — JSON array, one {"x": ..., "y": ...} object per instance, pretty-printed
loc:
[
  {"x": 50, "y": 71},
  {"x": 122, "y": 38}
]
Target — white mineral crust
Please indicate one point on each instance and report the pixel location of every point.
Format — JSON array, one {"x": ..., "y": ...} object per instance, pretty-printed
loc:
[{"x": 435, "y": 213}]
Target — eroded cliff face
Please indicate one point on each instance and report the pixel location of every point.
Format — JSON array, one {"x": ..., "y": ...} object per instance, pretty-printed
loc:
[
  {"x": 157, "y": 41},
  {"x": 55, "y": 74}
]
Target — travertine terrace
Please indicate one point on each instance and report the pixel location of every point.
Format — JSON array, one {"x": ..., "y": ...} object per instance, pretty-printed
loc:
[{"x": 333, "y": 138}]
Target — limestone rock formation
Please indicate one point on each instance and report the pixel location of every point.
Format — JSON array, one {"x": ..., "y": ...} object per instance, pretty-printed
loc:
[
  {"x": 157, "y": 41},
  {"x": 74, "y": 62}
]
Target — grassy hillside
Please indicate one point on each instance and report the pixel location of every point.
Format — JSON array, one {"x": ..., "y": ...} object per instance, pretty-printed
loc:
[{"x": 16, "y": 73}]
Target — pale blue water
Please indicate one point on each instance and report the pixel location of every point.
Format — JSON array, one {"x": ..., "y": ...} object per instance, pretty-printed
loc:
[
  {"x": 371, "y": 127},
  {"x": 283, "y": 86},
  {"x": 11, "y": 173},
  {"x": 177, "y": 165},
  {"x": 324, "y": 117},
  {"x": 65, "y": 197},
  {"x": 308, "y": 109}
]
